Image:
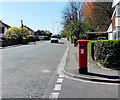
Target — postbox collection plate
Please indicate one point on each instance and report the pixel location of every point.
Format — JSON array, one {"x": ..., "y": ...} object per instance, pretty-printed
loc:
[{"x": 82, "y": 51}]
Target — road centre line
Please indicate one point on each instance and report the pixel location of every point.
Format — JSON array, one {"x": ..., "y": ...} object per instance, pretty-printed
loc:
[
  {"x": 61, "y": 76},
  {"x": 59, "y": 80},
  {"x": 54, "y": 95},
  {"x": 58, "y": 87}
]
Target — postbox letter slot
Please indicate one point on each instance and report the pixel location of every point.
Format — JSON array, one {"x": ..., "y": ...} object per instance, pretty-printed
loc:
[{"x": 82, "y": 46}]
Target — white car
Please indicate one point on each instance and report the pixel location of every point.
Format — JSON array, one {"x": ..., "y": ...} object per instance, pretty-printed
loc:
[
  {"x": 54, "y": 38},
  {"x": 41, "y": 37}
]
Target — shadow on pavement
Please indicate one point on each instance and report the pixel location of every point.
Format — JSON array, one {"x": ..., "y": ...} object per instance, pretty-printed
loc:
[
  {"x": 103, "y": 76},
  {"x": 61, "y": 43}
]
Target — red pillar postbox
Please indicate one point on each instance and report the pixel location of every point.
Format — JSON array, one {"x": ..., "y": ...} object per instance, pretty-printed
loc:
[{"x": 82, "y": 56}]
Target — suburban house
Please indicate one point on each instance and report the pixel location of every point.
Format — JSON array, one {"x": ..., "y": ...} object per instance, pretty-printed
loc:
[
  {"x": 31, "y": 31},
  {"x": 114, "y": 28},
  {"x": 3, "y": 28},
  {"x": 43, "y": 34}
]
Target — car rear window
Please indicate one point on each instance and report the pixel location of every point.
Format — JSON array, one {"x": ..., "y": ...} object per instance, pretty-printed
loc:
[{"x": 54, "y": 36}]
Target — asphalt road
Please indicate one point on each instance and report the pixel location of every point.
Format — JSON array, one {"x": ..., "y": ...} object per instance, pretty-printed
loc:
[{"x": 28, "y": 70}]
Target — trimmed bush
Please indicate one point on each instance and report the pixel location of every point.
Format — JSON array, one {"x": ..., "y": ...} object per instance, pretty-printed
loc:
[
  {"x": 37, "y": 38},
  {"x": 16, "y": 32},
  {"x": 9, "y": 42},
  {"x": 90, "y": 48},
  {"x": 24, "y": 41},
  {"x": 30, "y": 38},
  {"x": 4, "y": 38},
  {"x": 107, "y": 53}
]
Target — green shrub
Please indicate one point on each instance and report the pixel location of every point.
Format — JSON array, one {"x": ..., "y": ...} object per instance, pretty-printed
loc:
[
  {"x": 12, "y": 32},
  {"x": 16, "y": 32},
  {"x": 30, "y": 36},
  {"x": 107, "y": 52},
  {"x": 90, "y": 48},
  {"x": 4, "y": 38}
]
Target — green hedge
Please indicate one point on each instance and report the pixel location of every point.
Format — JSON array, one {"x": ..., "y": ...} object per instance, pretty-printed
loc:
[
  {"x": 90, "y": 48},
  {"x": 107, "y": 53}
]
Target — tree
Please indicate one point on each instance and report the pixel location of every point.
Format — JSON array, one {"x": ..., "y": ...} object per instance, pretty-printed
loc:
[
  {"x": 12, "y": 33},
  {"x": 15, "y": 32},
  {"x": 71, "y": 28},
  {"x": 87, "y": 12},
  {"x": 74, "y": 26},
  {"x": 72, "y": 12},
  {"x": 24, "y": 31},
  {"x": 71, "y": 17},
  {"x": 98, "y": 14}
]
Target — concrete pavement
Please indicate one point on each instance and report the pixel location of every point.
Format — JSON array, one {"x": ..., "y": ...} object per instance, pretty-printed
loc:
[{"x": 95, "y": 73}]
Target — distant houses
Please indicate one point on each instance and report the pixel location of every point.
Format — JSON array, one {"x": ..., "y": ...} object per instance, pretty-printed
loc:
[
  {"x": 44, "y": 33},
  {"x": 3, "y": 28},
  {"x": 31, "y": 31},
  {"x": 114, "y": 28}
]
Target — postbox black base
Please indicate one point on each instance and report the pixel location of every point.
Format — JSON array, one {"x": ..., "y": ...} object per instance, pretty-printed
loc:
[{"x": 83, "y": 70}]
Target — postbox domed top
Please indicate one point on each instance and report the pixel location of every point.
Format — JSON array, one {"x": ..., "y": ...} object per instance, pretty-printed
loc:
[{"x": 82, "y": 41}]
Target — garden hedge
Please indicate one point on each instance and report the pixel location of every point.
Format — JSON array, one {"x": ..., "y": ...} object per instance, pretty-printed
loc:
[
  {"x": 107, "y": 53},
  {"x": 6, "y": 41}
]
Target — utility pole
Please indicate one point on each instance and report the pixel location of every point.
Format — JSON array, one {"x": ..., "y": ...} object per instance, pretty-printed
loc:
[
  {"x": 22, "y": 23},
  {"x": 20, "y": 36}
]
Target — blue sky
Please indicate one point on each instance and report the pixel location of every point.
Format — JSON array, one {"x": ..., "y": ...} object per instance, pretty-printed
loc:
[{"x": 36, "y": 15}]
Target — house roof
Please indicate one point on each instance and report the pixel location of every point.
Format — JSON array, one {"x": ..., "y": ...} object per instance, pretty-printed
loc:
[
  {"x": 96, "y": 33},
  {"x": 3, "y": 24},
  {"x": 113, "y": 14},
  {"x": 115, "y": 2},
  {"x": 28, "y": 28}
]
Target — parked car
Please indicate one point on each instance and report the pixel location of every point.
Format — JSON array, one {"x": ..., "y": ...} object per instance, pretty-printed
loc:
[
  {"x": 54, "y": 38},
  {"x": 41, "y": 37},
  {"x": 101, "y": 38}
]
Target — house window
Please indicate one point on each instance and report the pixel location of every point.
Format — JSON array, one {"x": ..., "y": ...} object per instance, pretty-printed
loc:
[
  {"x": 118, "y": 10},
  {"x": 5, "y": 29},
  {"x": 118, "y": 33}
]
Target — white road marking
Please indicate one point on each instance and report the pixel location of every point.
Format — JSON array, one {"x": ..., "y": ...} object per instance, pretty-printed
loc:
[
  {"x": 54, "y": 95},
  {"x": 61, "y": 76},
  {"x": 59, "y": 80},
  {"x": 45, "y": 71},
  {"x": 58, "y": 87}
]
